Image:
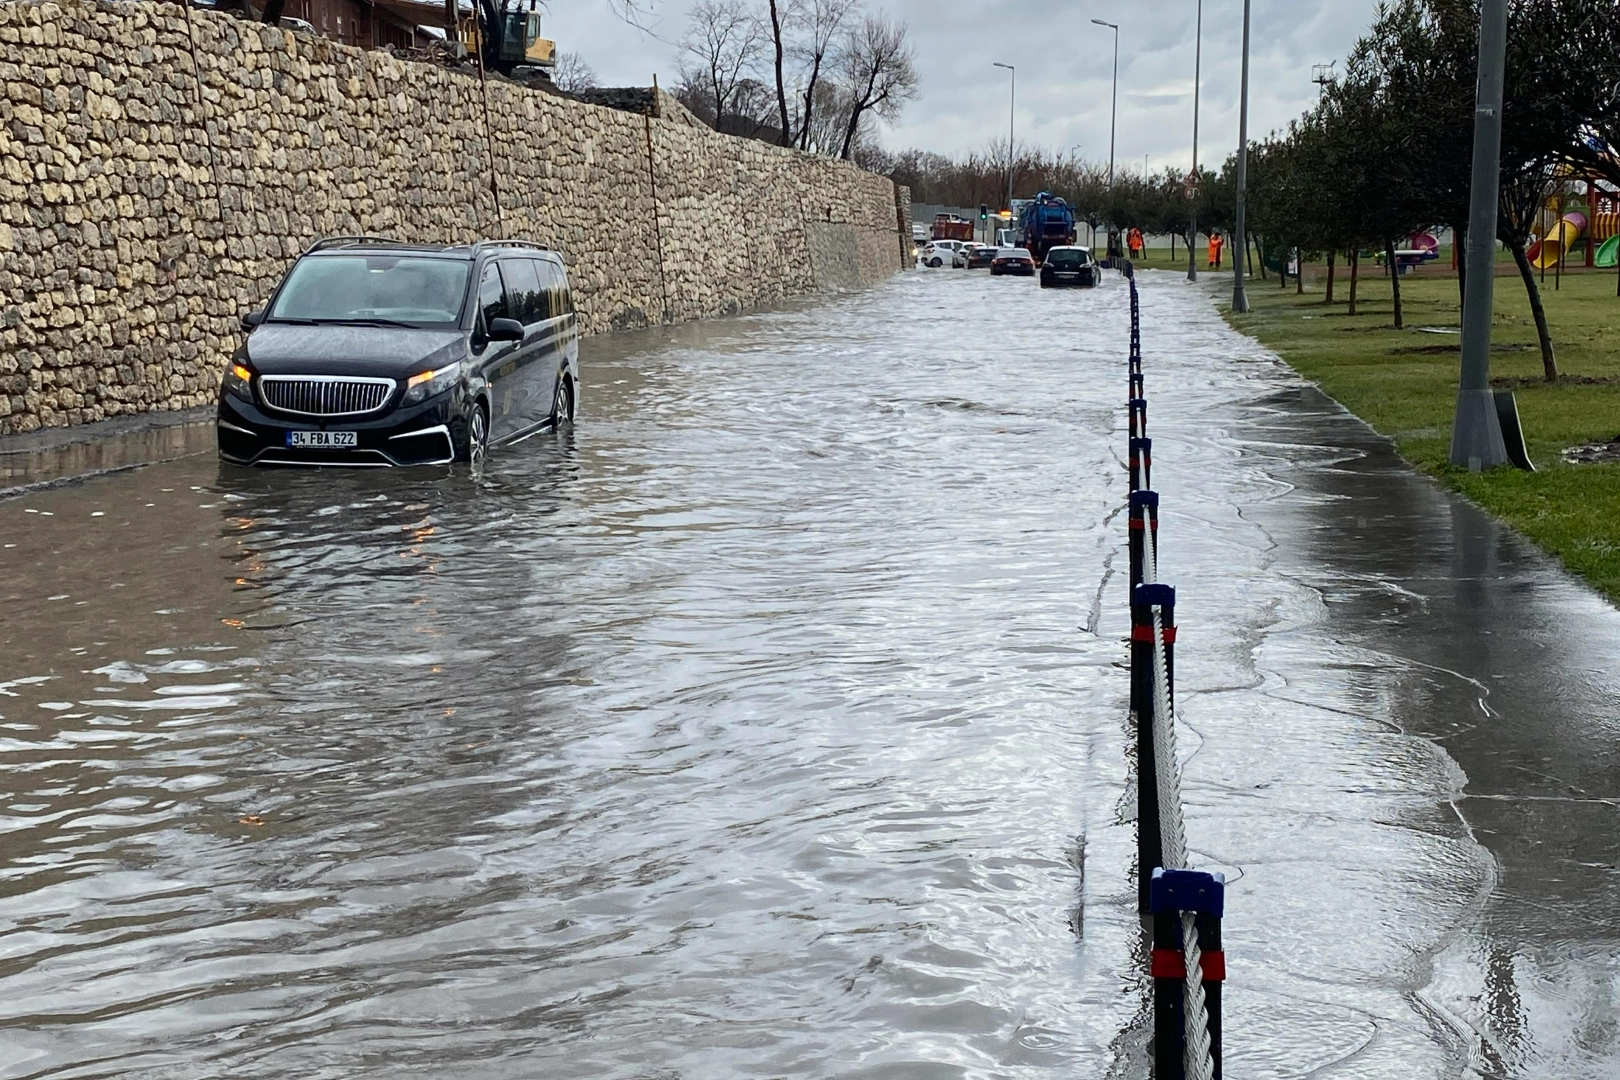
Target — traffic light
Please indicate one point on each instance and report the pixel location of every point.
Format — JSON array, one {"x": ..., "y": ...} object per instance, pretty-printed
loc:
[{"x": 984, "y": 212}]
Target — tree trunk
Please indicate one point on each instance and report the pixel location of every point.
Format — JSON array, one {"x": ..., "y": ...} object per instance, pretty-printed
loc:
[
  {"x": 1549, "y": 364},
  {"x": 1332, "y": 256},
  {"x": 849, "y": 132},
  {"x": 274, "y": 8},
  {"x": 1355, "y": 277},
  {"x": 1394, "y": 281},
  {"x": 809, "y": 103},
  {"x": 781, "y": 87},
  {"x": 1258, "y": 256},
  {"x": 1299, "y": 272}
]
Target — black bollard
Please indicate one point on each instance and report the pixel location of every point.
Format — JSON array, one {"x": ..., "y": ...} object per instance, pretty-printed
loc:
[
  {"x": 1141, "y": 465},
  {"x": 1138, "y": 417},
  {"x": 1143, "y": 526},
  {"x": 1176, "y": 891},
  {"x": 1149, "y": 848},
  {"x": 1138, "y": 387}
]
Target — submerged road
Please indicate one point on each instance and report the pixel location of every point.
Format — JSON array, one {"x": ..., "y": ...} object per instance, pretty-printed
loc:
[{"x": 772, "y": 724}]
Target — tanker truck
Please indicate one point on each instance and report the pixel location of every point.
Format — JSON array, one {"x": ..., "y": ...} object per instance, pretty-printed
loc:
[{"x": 1044, "y": 223}]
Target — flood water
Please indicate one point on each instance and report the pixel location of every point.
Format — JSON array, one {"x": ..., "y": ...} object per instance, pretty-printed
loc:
[{"x": 772, "y": 724}]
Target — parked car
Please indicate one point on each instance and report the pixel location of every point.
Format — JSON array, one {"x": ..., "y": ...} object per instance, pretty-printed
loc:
[
  {"x": 1070, "y": 266},
  {"x": 373, "y": 352},
  {"x": 1012, "y": 260},
  {"x": 974, "y": 256},
  {"x": 940, "y": 253}
]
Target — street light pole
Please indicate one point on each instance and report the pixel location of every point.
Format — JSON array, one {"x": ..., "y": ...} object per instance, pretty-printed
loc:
[
  {"x": 1198, "y": 76},
  {"x": 1012, "y": 105},
  {"x": 1113, "y": 114},
  {"x": 1476, "y": 432},
  {"x": 1240, "y": 299}
]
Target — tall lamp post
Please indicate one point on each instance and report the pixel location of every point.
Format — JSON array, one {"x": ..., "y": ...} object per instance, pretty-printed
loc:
[
  {"x": 1476, "y": 432},
  {"x": 1012, "y": 105},
  {"x": 1113, "y": 113},
  {"x": 1240, "y": 299},
  {"x": 1198, "y": 76}
]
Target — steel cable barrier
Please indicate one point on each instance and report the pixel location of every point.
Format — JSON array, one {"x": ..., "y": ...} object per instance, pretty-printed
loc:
[{"x": 1182, "y": 907}]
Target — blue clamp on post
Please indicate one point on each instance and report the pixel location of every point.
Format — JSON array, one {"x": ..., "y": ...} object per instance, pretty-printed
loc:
[
  {"x": 1146, "y": 499},
  {"x": 1155, "y": 595},
  {"x": 1187, "y": 890}
]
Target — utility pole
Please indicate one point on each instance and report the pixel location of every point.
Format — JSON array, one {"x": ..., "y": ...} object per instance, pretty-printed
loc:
[
  {"x": 1198, "y": 74},
  {"x": 1113, "y": 114},
  {"x": 1240, "y": 299},
  {"x": 1476, "y": 433},
  {"x": 1012, "y": 105},
  {"x": 1322, "y": 76}
]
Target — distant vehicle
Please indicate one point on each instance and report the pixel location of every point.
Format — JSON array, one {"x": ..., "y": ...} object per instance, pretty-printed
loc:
[
  {"x": 373, "y": 352},
  {"x": 1013, "y": 261},
  {"x": 1070, "y": 266},
  {"x": 919, "y": 232},
  {"x": 975, "y": 256},
  {"x": 941, "y": 253},
  {"x": 300, "y": 26},
  {"x": 1046, "y": 222},
  {"x": 951, "y": 227}
]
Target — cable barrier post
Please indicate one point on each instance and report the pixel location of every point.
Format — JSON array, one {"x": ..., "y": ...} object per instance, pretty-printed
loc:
[
  {"x": 1141, "y": 465},
  {"x": 1149, "y": 830},
  {"x": 1183, "y": 900}
]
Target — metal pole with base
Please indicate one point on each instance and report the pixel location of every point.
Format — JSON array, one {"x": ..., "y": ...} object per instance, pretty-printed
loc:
[
  {"x": 1198, "y": 77},
  {"x": 1012, "y": 105},
  {"x": 1240, "y": 299},
  {"x": 1113, "y": 114},
  {"x": 1476, "y": 433}
]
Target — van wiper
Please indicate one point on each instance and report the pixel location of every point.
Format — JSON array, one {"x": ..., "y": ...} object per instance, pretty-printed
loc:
[{"x": 369, "y": 320}]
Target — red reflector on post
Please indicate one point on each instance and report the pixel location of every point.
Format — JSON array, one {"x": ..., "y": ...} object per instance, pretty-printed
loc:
[{"x": 1170, "y": 964}]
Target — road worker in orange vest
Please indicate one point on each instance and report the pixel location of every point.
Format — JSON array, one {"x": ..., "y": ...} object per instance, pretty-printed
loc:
[{"x": 1216, "y": 243}]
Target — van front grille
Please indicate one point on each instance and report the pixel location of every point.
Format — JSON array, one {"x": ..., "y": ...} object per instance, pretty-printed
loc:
[{"x": 325, "y": 395}]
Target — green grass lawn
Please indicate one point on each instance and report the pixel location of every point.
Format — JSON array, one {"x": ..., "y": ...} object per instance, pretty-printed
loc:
[{"x": 1404, "y": 383}]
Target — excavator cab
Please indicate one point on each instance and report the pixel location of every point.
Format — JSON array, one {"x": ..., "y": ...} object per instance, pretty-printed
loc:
[{"x": 521, "y": 43}]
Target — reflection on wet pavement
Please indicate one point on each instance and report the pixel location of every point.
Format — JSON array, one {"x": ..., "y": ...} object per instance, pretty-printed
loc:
[{"x": 771, "y": 724}]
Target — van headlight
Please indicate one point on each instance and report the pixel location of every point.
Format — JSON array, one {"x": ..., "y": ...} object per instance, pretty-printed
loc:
[
  {"x": 419, "y": 388},
  {"x": 239, "y": 380}
]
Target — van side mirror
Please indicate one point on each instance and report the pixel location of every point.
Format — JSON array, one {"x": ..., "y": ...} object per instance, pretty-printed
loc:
[
  {"x": 252, "y": 319},
  {"x": 505, "y": 330}
]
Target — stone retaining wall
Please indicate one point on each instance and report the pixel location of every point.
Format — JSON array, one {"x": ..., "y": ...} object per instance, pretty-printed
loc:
[{"x": 156, "y": 177}]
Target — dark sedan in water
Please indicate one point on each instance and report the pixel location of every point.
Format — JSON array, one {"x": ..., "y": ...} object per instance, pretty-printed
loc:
[
  {"x": 1013, "y": 261},
  {"x": 376, "y": 353},
  {"x": 1070, "y": 267}
]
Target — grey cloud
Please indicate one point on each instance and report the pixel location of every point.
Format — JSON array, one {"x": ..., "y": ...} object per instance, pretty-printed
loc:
[{"x": 1064, "y": 67}]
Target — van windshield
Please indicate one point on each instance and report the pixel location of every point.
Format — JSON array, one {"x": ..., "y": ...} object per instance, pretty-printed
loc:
[{"x": 412, "y": 290}]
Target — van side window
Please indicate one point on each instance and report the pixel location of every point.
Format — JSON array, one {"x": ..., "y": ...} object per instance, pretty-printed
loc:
[
  {"x": 556, "y": 282},
  {"x": 491, "y": 296},
  {"x": 522, "y": 290}
]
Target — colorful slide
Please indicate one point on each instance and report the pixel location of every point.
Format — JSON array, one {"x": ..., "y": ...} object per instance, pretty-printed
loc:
[
  {"x": 1550, "y": 251},
  {"x": 1608, "y": 254}
]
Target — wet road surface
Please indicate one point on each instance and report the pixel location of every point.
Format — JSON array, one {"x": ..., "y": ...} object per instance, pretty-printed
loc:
[{"x": 771, "y": 724}]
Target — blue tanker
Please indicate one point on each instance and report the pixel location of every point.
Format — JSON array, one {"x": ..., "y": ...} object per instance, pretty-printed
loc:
[{"x": 1045, "y": 223}]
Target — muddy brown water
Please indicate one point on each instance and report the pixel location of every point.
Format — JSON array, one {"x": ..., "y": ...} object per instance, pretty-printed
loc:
[{"x": 771, "y": 724}]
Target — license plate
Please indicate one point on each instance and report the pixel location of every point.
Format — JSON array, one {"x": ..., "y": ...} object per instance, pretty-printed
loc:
[
  {"x": 322, "y": 440},
  {"x": 1062, "y": 274}
]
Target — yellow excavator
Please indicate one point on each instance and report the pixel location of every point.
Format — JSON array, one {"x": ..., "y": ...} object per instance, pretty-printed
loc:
[{"x": 520, "y": 45}]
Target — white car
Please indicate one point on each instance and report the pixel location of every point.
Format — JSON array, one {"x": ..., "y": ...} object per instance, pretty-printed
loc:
[{"x": 941, "y": 253}]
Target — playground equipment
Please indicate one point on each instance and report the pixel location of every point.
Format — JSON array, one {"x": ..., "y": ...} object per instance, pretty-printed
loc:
[
  {"x": 1551, "y": 250},
  {"x": 1565, "y": 225}
]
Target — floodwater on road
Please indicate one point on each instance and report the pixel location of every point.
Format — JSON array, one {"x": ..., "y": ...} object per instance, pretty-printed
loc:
[{"x": 772, "y": 724}]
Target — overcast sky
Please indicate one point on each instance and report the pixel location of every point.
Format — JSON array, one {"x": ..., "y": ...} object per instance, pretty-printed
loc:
[{"x": 1064, "y": 68}]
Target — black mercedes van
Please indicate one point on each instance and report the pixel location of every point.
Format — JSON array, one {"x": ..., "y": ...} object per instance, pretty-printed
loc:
[{"x": 373, "y": 352}]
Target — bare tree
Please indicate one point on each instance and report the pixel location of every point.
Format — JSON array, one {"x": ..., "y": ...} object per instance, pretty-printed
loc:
[
  {"x": 723, "y": 42},
  {"x": 782, "y": 12},
  {"x": 823, "y": 21},
  {"x": 880, "y": 71},
  {"x": 572, "y": 73}
]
